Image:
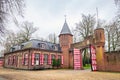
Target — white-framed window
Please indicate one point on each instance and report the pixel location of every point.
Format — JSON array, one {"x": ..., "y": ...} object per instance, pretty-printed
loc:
[
  {"x": 37, "y": 59},
  {"x": 26, "y": 59},
  {"x": 46, "y": 58}
]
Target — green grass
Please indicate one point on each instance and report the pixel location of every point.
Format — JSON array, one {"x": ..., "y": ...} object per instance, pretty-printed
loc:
[{"x": 87, "y": 66}]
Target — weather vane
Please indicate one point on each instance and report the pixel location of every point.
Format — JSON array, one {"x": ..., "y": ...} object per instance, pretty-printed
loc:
[{"x": 65, "y": 17}]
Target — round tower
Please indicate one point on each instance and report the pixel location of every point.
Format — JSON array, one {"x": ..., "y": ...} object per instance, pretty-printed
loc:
[
  {"x": 65, "y": 39},
  {"x": 99, "y": 45}
]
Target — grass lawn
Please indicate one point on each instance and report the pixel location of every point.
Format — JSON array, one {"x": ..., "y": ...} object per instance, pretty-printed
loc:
[{"x": 87, "y": 66}]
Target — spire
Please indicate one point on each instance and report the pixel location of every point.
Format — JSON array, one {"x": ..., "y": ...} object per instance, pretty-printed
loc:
[
  {"x": 65, "y": 29},
  {"x": 65, "y": 17}
]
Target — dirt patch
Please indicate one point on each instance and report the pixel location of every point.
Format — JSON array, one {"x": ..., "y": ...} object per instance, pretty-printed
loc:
[{"x": 12, "y": 74}]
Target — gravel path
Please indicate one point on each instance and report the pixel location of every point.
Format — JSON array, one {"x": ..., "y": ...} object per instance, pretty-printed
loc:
[
  {"x": 11, "y": 74},
  {"x": 2, "y": 78}
]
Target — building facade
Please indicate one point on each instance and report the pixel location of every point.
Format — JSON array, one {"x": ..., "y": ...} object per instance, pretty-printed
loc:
[{"x": 36, "y": 54}]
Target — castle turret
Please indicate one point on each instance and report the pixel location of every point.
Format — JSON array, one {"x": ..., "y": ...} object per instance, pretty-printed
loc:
[
  {"x": 99, "y": 45},
  {"x": 65, "y": 39}
]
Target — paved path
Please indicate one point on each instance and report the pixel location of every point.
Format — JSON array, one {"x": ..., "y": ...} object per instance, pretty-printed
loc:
[{"x": 12, "y": 74}]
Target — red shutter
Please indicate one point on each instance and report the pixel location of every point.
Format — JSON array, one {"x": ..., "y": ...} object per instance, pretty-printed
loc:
[
  {"x": 56, "y": 56},
  {"x": 42, "y": 59},
  {"x": 26, "y": 59},
  {"x": 10, "y": 60},
  {"x": 33, "y": 58},
  {"x": 23, "y": 59},
  {"x": 62, "y": 59},
  {"x": 14, "y": 60},
  {"x": 49, "y": 59}
]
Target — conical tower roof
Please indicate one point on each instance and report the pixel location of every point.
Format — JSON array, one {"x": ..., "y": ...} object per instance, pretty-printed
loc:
[{"x": 65, "y": 29}]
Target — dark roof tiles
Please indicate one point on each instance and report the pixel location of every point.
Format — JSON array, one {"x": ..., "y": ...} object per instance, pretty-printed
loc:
[
  {"x": 65, "y": 29},
  {"x": 38, "y": 44}
]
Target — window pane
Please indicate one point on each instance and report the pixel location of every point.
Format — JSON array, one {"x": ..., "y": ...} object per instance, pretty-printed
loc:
[
  {"x": 45, "y": 58},
  {"x": 37, "y": 57}
]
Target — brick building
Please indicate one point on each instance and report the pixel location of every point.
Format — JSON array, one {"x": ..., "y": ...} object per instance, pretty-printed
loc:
[{"x": 36, "y": 54}]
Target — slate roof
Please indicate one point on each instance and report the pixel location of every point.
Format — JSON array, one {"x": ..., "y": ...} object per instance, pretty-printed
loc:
[
  {"x": 38, "y": 44},
  {"x": 65, "y": 29}
]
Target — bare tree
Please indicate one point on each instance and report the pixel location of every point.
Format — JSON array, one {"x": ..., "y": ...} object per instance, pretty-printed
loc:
[
  {"x": 52, "y": 38},
  {"x": 9, "y": 41},
  {"x": 24, "y": 35},
  {"x": 113, "y": 35},
  {"x": 86, "y": 26},
  {"x": 107, "y": 29},
  {"x": 84, "y": 29},
  {"x": 9, "y": 8},
  {"x": 75, "y": 35},
  {"x": 27, "y": 29}
]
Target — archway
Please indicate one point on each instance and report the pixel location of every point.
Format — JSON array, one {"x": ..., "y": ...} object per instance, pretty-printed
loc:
[{"x": 78, "y": 63}]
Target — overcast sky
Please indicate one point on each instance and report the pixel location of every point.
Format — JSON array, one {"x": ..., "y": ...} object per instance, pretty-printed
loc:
[{"x": 48, "y": 15}]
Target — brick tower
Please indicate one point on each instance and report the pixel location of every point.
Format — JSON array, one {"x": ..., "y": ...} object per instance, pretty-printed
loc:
[
  {"x": 65, "y": 39},
  {"x": 99, "y": 45}
]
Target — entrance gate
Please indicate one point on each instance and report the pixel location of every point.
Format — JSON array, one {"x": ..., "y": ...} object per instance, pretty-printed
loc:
[
  {"x": 93, "y": 58},
  {"x": 78, "y": 58}
]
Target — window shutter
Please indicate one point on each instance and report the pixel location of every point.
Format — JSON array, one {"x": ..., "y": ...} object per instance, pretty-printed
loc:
[
  {"x": 40, "y": 59},
  {"x": 49, "y": 59},
  {"x": 10, "y": 60},
  {"x": 14, "y": 60},
  {"x": 33, "y": 58},
  {"x": 56, "y": 56},
  {"x": 27, "y": 59},
  {"x": 62, "y": 59},
  {"x": 23, "y": 59}
]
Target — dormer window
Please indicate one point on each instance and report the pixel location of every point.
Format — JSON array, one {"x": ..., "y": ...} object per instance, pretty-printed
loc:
[
  {"x": 22, "y": 46},
  {"x": 13, "y": 49},
  {"x": 41, "y": 45},
  {"x": 54, "y": 47}
]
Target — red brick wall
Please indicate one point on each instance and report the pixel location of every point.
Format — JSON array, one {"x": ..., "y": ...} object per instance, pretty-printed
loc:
[
  {"x": 1, "y": 61},
  {"x": 112, "y": 61},
  {"x": 65, "y": 43},
  {"x": 71, "y": 64},
  {"x": 20, "y": 65}
]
